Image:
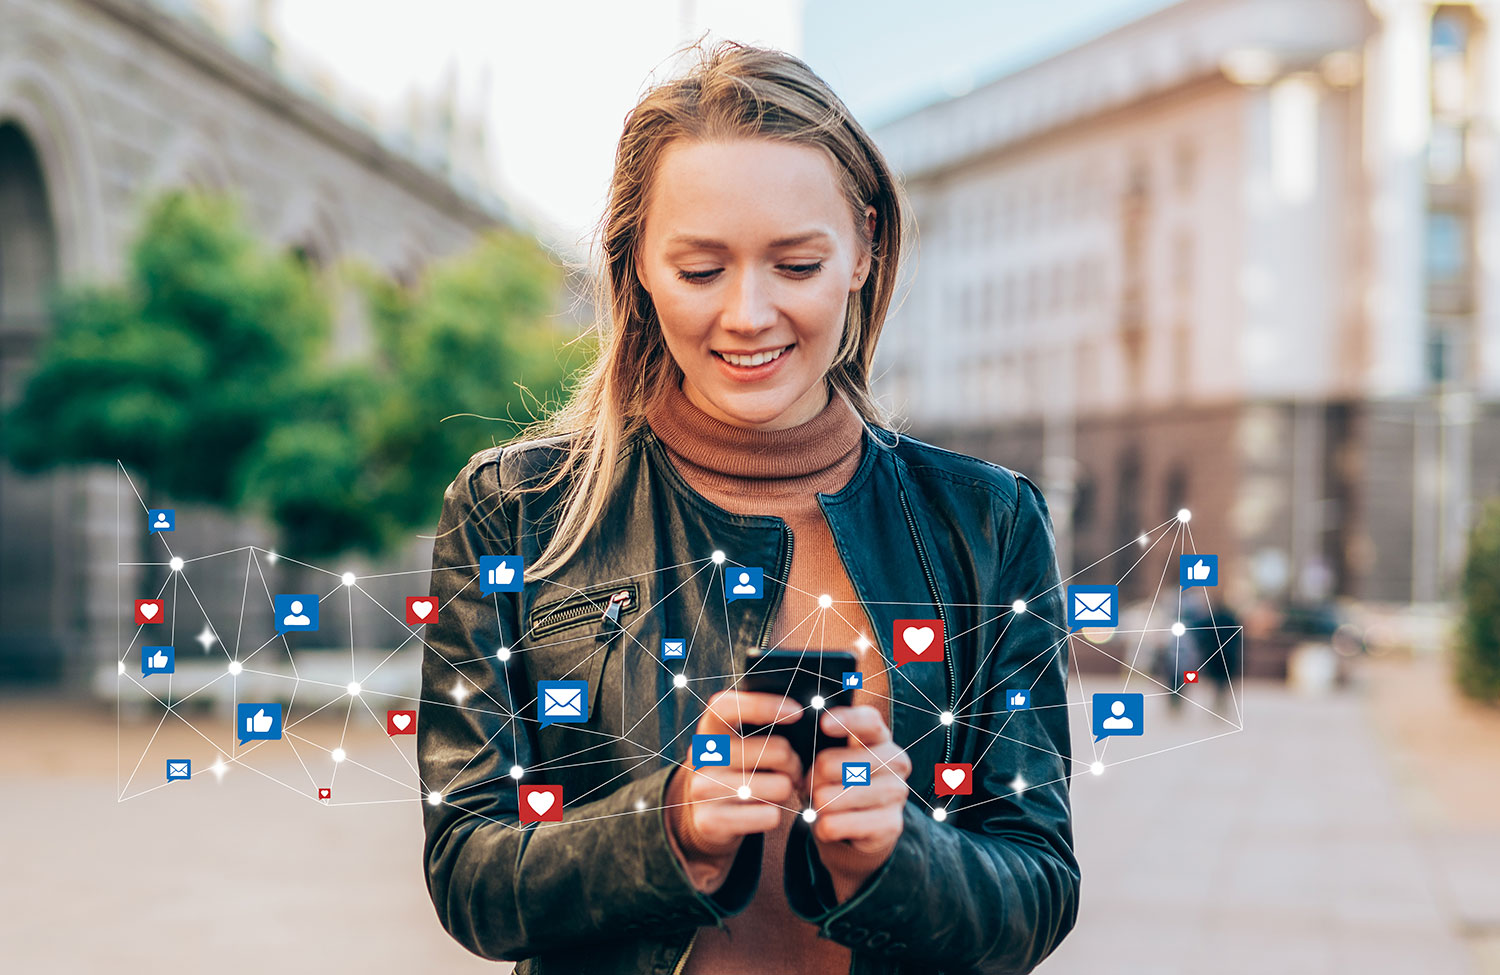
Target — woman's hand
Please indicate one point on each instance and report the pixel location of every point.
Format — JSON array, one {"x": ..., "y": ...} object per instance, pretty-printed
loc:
[
  {"x": 857, "y": 827},
  {"x": 707, "y": 813}
]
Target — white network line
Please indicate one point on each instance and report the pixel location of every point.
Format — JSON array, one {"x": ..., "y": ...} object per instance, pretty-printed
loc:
[{"x": 968, "y": 718}]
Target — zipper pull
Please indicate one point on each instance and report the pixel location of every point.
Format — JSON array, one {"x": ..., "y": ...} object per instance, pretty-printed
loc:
[{"x": 617, "y": 602}]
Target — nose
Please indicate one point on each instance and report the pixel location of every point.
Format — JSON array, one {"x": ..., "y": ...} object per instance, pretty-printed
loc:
[{"x": 748, "y": 304}]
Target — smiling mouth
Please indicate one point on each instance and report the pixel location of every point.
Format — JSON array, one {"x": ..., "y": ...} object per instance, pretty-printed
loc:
[{"x": 758, "y": 359}]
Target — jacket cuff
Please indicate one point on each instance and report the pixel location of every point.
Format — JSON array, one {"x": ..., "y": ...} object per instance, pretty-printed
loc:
[
  {"x": 875, "y": 915},
  {"x": 739, "y": 886}
]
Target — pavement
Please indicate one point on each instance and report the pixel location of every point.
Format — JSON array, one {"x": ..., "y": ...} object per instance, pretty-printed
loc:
[
  {"x": 1355, "y": 832},
  {"x": 1294, "y": 845}
]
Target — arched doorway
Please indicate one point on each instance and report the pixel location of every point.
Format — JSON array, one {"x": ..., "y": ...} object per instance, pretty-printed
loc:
[{"x": 35, "y": 550}]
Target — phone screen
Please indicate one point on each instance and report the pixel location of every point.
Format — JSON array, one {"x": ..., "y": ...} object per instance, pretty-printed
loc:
[{"x": 800, "y": 676}]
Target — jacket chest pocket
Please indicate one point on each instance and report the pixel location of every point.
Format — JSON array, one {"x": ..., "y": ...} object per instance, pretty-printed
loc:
[{"x": 570, "y": 637}]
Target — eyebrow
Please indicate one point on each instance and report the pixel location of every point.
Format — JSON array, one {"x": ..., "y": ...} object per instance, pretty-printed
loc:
[{"x": 708, "y": 243}]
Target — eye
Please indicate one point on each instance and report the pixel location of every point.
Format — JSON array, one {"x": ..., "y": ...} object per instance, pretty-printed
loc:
[{"x": 797, "y": 270}]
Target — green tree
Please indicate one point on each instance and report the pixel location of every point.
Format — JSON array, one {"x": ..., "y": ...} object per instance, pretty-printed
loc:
[
  {"x": 465, "y": 360},
  {"x": 1478, "y": 665},
  {"x": 181, "y": 370},
  {"x": 209, "y": 370}
]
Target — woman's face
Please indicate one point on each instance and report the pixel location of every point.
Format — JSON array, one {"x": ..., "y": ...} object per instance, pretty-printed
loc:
[{"x": 749, "y": 256}]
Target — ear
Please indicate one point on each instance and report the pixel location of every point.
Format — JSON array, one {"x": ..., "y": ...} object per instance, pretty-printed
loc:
[
  {"x": 862, "y": 265},
  {"x": 640, "y": 275}
]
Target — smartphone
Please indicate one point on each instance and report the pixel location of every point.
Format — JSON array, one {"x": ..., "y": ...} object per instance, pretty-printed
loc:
[{"x": 800, "y": 676}]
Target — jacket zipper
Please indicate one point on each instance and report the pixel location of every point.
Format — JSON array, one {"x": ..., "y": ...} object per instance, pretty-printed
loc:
[
  {"x": 911, "y": 525},
  {"x": 786, "y": 568},
  {"x": 683, "y": 960},
  {"x": 577, "y": 608}
]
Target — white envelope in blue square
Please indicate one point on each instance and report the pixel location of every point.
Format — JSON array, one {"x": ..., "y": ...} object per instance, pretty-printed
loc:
[
  {"x": 856, "y": 773},
  {"x": 562, "y": 701},
  {"x": 1093, "y": 606}
]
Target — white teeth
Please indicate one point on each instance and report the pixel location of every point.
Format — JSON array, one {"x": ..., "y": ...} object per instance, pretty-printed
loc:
[{"x": 758, "y": 359}]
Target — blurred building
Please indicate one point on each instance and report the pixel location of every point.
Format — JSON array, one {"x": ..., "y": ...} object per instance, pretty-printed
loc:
[
  {"x": 102, "y": 103},
  {"x": 1238, "y": 256}
]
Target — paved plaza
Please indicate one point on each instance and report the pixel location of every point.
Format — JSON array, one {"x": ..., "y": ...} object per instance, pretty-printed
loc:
[{"x": 1315, "y": 840}]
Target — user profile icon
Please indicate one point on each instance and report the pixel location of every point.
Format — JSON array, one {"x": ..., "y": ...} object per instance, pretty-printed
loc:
[{"x": 741, "y": 582}]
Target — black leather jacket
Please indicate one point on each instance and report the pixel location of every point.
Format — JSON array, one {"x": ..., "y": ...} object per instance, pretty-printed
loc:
[{"x": 921, "y": 531}]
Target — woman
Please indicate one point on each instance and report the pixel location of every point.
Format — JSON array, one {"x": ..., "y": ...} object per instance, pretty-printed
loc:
[{"x": 751, "y": 244}]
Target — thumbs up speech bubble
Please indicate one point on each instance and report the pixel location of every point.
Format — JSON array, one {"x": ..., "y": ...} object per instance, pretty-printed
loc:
[
  {"x": 158, "y": 660},
  {"x": 258, "y": 721},
  {"x": 1198, "y": 570}
]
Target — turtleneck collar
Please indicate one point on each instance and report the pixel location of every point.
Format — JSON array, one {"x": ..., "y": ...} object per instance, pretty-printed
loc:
[{"x": 808, "y": 456}]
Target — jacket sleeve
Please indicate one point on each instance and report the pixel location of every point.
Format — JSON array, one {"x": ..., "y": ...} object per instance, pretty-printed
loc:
[
  {"x": 501, "y": 889},
  {"x": 994, "y": 888}
]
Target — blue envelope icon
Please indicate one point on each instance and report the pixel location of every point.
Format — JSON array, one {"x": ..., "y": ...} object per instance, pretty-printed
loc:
[
  {"x": 1093, "y": 606},
  {"x": 562, "y": 701}
]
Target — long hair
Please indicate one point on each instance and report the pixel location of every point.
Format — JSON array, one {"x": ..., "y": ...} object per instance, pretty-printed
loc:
[{"x": 734, "y": 91}]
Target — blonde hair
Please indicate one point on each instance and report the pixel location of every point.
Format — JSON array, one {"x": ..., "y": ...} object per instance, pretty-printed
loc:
[{"x": 734, "y": 91}]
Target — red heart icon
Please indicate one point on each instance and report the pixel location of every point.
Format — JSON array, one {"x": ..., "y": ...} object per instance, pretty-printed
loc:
[
  {"x": 1191, "y": 676},
  {"x": 420, "y": 609}
]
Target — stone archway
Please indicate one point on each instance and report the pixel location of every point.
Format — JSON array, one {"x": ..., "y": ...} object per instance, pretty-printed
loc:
[{"x": 34, "y": 543}]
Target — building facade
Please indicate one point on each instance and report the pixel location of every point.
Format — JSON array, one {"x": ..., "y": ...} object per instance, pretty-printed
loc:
[
  {"x": 103, "y": 103},
  {"x": 1236, "y": 256}
]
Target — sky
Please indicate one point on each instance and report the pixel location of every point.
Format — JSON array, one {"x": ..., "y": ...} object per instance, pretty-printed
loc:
[{"x": 562, "y": 74}]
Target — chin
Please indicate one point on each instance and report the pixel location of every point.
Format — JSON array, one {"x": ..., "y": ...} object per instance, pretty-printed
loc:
[{"x": 754, "y": 409}]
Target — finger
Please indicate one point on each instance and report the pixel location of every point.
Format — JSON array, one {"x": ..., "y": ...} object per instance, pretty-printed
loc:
[
  {"x": 714, "y": 784},
  {"x": 765, "y": 753},
  {"x": 889, "y": 759},
  {"x": 861, "y": 722},
  {"x": 837, "y": 798},
  {"x": 723, "y": 821},
  {"x": 864, "y": 828},
  {"x": 730, "y": 710}
]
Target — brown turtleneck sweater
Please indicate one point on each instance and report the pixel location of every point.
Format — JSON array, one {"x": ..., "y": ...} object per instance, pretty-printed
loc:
[{"x": 777, "y": 472}]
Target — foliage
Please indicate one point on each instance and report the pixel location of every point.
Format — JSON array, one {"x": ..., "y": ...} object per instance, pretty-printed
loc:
[
  {"x": 1478, "y": 663},
  {"x": 210, "y": 370}
]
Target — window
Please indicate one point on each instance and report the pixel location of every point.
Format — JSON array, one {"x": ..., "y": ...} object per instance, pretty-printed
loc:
[
  {"x": 1447, "y": 246},
  {"x": 1449, "y": 33}
]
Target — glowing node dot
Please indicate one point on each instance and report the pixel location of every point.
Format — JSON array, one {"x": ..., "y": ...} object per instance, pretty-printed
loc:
[
  {"x": 679, "y": 680},
  {"x": 434, "y": 798},
  {"x": 946, "y": 717},
  {"x": 516, "y": 771},
  {"x": 1143, "y": 540},
  {"x": 818, "y": 702},
  {"x": 940, "y": 814},
  {"x": 1184, "y": 516},
  {"x": 1178, "y": 629},
  {"x": 1019, "y": 606},
  {"x": 353, "y": 688},
  {"x": 122, "y": 666},
  {"x": 640, "y": 805},
  {"x": 718, "y": 557},
  {"x": 808, "y": 815},
  {"x": 503, "y": 654},
  {"x": 348, "y": 578},
  {"x": 235, "y": 666},
  {"x": 271, "y": 557},
  {"x": 825, "y": 600},
  {"x": 743, "y": 792},
  {"x": 862, "y": 641},
  {"x": 1019, "y": 784},
  {"x": 339, "y": 754},
  {"x": 1097, "y": 768},
  {"x": 460, "y": 692},
  {"x": 176, "y": 563}
]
